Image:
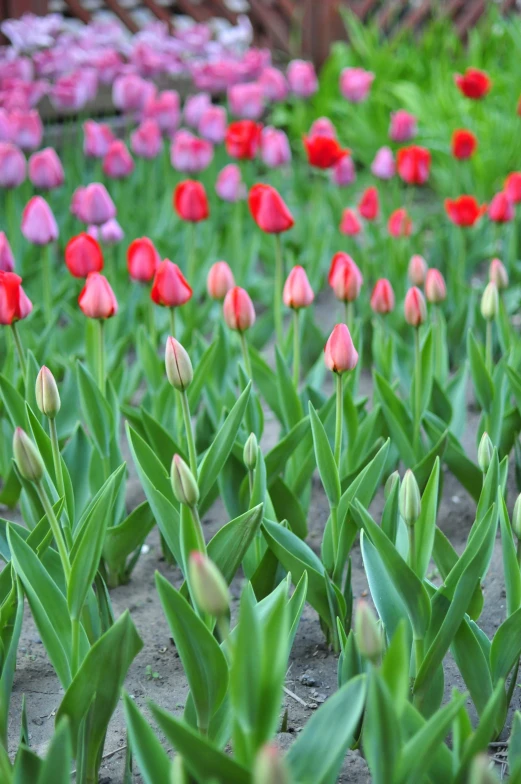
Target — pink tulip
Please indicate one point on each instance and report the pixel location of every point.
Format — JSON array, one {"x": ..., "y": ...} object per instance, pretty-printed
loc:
[
  {"x": 340, "y": 354},
  {"x": 27, "y": 129},
  {"x": 220, "y": 280},
  {"x": 165, "y": 109},
  {"x": 97, "y": 300},
  {"x": 383, "y": 165},
  {"x": 323, "y": 127},
  {"x": 229, "y": 185},
  {"x": 118, "y": 162},
  {"x": 111, "y": 232},
  {"x": 345, "y": 277},
  {"x": 74, "y": 91},
  {"x": 415, "y": 309},
  {"x": 275, "y": 149},
  {"x": 38, "y": 222},
  {"x": 274, "y": 85},
  {"x": 97, "y": 138},
  {"x": 188, "y": 153},
  {"x": 350, "y": 224},
  {"x": 343, "y": 172},
  {"x": 146, "y": 141},
  {"x": 417, "y": 270},
  {"x": 238, "y": 310},
  {"x": 194, "y": 108},
  {"x": 297, "y": 291},
  {"x": 93, "y": 204},
  {"x": 46, "y": 170},
  {"x": 497, "y": 274},
  {"x": 246, "y": 100},
  {"x": 6, "y": 254},
  {"x": 382, "y": 298},
  {"x": 435, "y": 288},
  {"x": 130, "y": 93},
  {"x": 355, "y": 84},
  {"x": 501, "y": 209},
  {"x": 213, "y": 123},
  {"x": 302, "y": 78},
  {"x": 6, "y": 132},
  {"x": 403, "y": 126},
  {"x": 399, "y": 223},
  {"x": 12, "y": 166}
]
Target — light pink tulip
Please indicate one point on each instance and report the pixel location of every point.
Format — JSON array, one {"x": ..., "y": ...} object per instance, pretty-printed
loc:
[
  {"x": 355, "y": 84},
  {"x": 274, "y": 84},
  {"x": 97, "y": 138},
  {"x": 383, "y": 165},
  {"x": 46, "y": 170},
  {"x": 275, "y": 149},
  {"x": 93, "y": 204},
  {"x": 343, "y": 172},
  {"x": 194, "y": 107},
  {"x": 188, "y": 153},
  {"x": 111, "y": 232},
  {"x": 323, "y": 126},
  {"x": 213, "y": 123},
  {"x": 229, "y": 185},
  {"x": 27, "y": 129},
  {"x": 12, "y": 166},
  {"x": 38, "y": 222},
  {"x": 302, "y": 78},
  {"x": 130, "y": 93},
  {"x": 118, "y": 162},
  {"x": 146, "y": 141},
  {"x": 246, "y": 100},
  {"x": 165, "y": 109}
]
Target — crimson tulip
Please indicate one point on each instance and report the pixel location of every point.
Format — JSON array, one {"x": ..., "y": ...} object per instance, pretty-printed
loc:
[
  {"x": 83, "y": 255},
  {"x": 269, "y": 210},
  {"x": 191, "y": 202},
  {"x": 413, "y": 164}
]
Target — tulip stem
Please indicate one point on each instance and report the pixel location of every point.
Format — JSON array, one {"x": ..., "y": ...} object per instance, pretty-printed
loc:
[
  {"x": 101, "y": 356},
  {"x": 246, "y": 354},
  {"x": 19, "y": 349},
  {"x": 296, "y": 348},
  {"x": 412, "y": 547},
  {"x": 339, "y": 417},
  {"x": 58, "y": 470},
  {"x": 198, "y": 528},
  {"x": 417, "y": 388},
  {"x": 349, "y": 316},
  {"x": 151, "y": 320},
  {"x": 488, "y": 346},
  {"x": 172, "y": 322},
  {"x": 191, "y": 254},
  {"x": 56, "y": 530},
  {"x": 75, "y": 658},
  {"x": 46, "y": 282},
  {"x": 192, "y": 454},
  {"x": 277, "y": 289}
]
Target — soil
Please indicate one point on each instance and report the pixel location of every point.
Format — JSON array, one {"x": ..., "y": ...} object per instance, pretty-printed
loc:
[{"x": 156, "y": 674}]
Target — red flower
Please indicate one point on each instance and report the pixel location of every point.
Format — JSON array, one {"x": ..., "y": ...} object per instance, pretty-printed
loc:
[
  {"x": 513, "y": 187},
  {"x": 242, "y": 139},
  {"x": 414, "y": 307},
  {"x": 142, "y": 259},
  {"x": 413, "y": 164},
  {"x": 382, "y": 298},
  {"x": 14, "y": 303},
  {"x": 97, "y": 300},
  {"x": 170, "y": 287},
  {"x": 238, "y": 310},
  {"x": 465, "y": 210},
  {"x": 350, "y": 224},
  {"x": 344, "y": 277},
  {"x": 369, "y": 205},
  {"x": 399, "y": 223},
  {"x": 269, "y": 210},
  {"x": 464, "y": 144},
  {"x": 473, "y": 83},
  {"x": 190, "y": 201},
  {"x": 501, "y": 209},
  {"x": 323, "y": 151},
  {"x": 83, "y": 255}
]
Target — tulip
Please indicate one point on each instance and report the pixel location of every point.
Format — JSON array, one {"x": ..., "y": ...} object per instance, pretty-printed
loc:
[
  {"x": 464, "y": 211},
  {"x": 15, "y": 305},
  {"x": 238, "y": 310},
  {"x": 220, "y": 280},
  {"x": 97, "y": 138},
  {"x": 184, "y": 484},
  {"x": 242, "y": 139},
  {"x": 246, "y": 100},
  {"x": 399, "y": 223},
  {"x": 410, "y": 500},
  {"x": 209, "y": 587},
  {"x": 97, "y": 300},
  {"x": 403, "y": 126},
  {"x": 6, "y": 254},
  {"x": 12, "y": 166},
  {"x": 383, "y": 165},
  {"x": 415, "y": 311},
  {"x": 190, "y": 154},
  {"x": 142, "y": 259},
  {"x": 343, "y": 172},
  {"x": 417, "y": 270},
  {"x": 490, "y": 302},
  {"x": 47, "y": 394},
  {"x": 513, "y": 187},
  {"x": 382, "y": 297},
  {"x": 323, "y": 126},
  {"x": 323, "y": 151},
  {"x": 27, "y": 457},
  {"x": 164, "y": 108},
  {"x": 83, "y": 255},
  {"x": 413, "y": 164},
  {"x": 146, "y": 140},
  {"x": 275, "y": 149},
  {"x": 302, "y": 78},
  {"x": 369, "y": 204},
  {"x": 270, "y": 767},
  {"x": 346, "y": 281},
  {"x": 464, "y": 144},
  {"x": 250, "y": 452},
  {"x": 194, "y": 108},
  {"x": 435, "y": 288},
  {"x": 179, "y": 369},
  {"x": 46, "y": 170},
  {"x": 414, "y": 308},
  {"x": 350, "y": 224},
  {"x": 368, "y": 633},
  {"x": 496, "y": 273},
  {"x": 118, "y": 162},
  {"x": 501, "y": 209},
  {"x": 229, "y": 185},
  {"x": 273, "y": 84},
  {"x": 340, "y": 354},
  {"x": 26, "y": 129},
  {"x": 485, "y": 452},
  {"x": 94, "y": 205},
  {"x": 170, "y": 289},
  {"x": 130, "y": 93},
  {"x": 516, "y": 518},
  {"x": 355, "y": 84},
  {"x": 190, "y": 201},
  {"x": 474, "y": 84},
  {"x": 212, "y": 125},
  {"x": 297, "y": 294},
  {"x": 5, "y": 126},
  {"x": 38, "y": 222}
]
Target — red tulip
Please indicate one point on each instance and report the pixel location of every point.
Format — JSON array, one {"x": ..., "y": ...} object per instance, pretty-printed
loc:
[
  {"x": 6, "y": 254},
  {"x": 413, "y": 164},
  {"x": 382, "y": 298},
  {"x": 513, "y": 187},
  {"x": 170, "y": 288},
  {"x": 465, "y": 210},
  {"x": 473, "y": 83},
  {"x": 501, "y": 209},
  {"x": 297, "y": 290},
  {"x": 435, "y": 288},
  {"x": 97, "y": 300},
  {"x": 118, "y": 162},
  {"x": 190, "y": 201},
  {"x": 220, "y": 280},
  {"x": 369, "y": 204},
  {"x": 83, "y": 255},
  {"x": 238, "y": 310},
  {"x": 350, "y": 225},
  {"x": 243, "y": 139},
  {"x": 344, "y": 277},
  {"x": 417, "y": 270},
  {"x": 340, "y": 354},
  {"x": 399, "y": 223},
  {"x": 323, "y": 151},
  {"x": 14, "y": 303},
  {"x": 142, "y": 259},
  {"x": 38, "y": 222},
  {"x": 415, "y": 308},
  {"x": 464, "y": 144},
  {"x": 46, "y": 170},
  {"x": 269, "y": 210},
  {"x": 497, "y": 274}
]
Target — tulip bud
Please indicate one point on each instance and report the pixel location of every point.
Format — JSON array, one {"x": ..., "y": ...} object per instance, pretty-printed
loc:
[
  {"x": 178, "y": 774},
  {"x": 415, "y": 308},
  {"x": 498, "y": 274},
  {"x": 485, "y": 452},
  {"x": 250, "y": 452},
  {"x": 368, "y": 633},
  {"x": 516, "y": 517},
  {"x": 184, "y": 484},
  {"x": 220, "y": 280},
  {"x": 480, "y": 771},
  {"x": 27, "y": 457},
  {"x": 238, "y": 310},
  {"x": 410, "y": 500},
  {"x": 297, "y": 290},
  {"x": 209, "y": 587},
  {"x": 417, "y": 270},
  {"x": 178, "y": 365},
  {"x": 270, "y": 767},
  {"x": 340, "y": 354},
  {"x": 490, "y": 302},
  {"x": 435, "y": 289},
  {"x": 392, "y": 479},
  {"x": 47, "y": 395}
]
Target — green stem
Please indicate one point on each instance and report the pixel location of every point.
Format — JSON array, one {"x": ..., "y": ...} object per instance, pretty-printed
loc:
[
  {"x": 518, "y": 552},
  {"x": 250, "y": 482},
  {"x": 19, "y": 349},
  {"x": 488, "y": 346},
  {"x": 198, "y": 528},
  {"x": 349, "y": 316},
  {"x": 46, "y": 282},
  {"x": 101, "y": 356},
  {"x": 192, "y": 454},
  {"x": 418, "y": 653},
  {"x": 277, "y": 289},
  {"x": 339, "y": 417},
  {"x": 334, "y": 533},
  {"x": 58, "y": 470},
  {"x": 246, "y": 354},
  {"x": 56, "y": 530},
  {"x": 151, "y": 319},
  {"x": 191, "y": 254},
  {"x": 296, "y": 348},
  {"x": 412, "y": 547},
  {"x": 417, "y": 388},
  {"x": 172, "y": 322}
]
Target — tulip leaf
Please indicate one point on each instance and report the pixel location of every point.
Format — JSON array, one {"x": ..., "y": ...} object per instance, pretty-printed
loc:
[
  {"x": 56, "y": 767},
  {"x": 153, "y": 761},
  {"x": 483, "y": 384},
  {"x": 473, "y": 664},
  {"x": 289, "y": 400},
  {"x": 279, "y": 455},
  {"x": 425, "y": 527},
  {"x": 510, "y": 563},
  {"x": 485, "y": 731},
  {"x": 506, "y": 647},
  {"x": 96, "y": 410},
  {"x": 123, "y": 539},
  {"x": 231, "y": 542},
  {"x": 381, "y": 731},
  {"x": 326, "y": 464}
]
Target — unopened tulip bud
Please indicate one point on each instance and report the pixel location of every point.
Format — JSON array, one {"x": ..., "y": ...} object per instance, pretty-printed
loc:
[
  {"x": 516, "y": 517},
  {"x": 415, "y": 308},
  {"x": 480, "y": 771},
  {"x": 367, "y": 632},
  {"x": 410, "y": 500},
  {"x": 490, "y": 302},
  {"x": 485, "y": 452},
  {"x": 178, "y": 365},
  {"x": 184, "y": 484},
  {"x": 47, "y": 395},
  {"x": 382, "y": 298},
  {"x": 270, "y": 767},
  {"x": 417, "y": 270},
  {"x": 250, "y": 452},
  {"x": 238, "y": 309},
  {"x": 209, "y": 587},
  {"x": 435, "y": 288},
  {"x": 392, "y": 480},
  {"x": 27, "y": 457},
  {"x": 220, "y": 280},
  {"x": 297, "y": 290},
  {"x": 498, "y": 274},
  {"x": 340, "y": 354}
]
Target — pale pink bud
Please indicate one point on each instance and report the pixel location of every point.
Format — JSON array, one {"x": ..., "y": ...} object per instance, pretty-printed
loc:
[
  {"x": 194, "y": 108},
  {"x": 497, "y": 274},
  {"x": 212, "y": 125},
  {"x": 340, "y": 354},
  {"x": 435, "y": 288},
  {"x": 97, "y": 300},
  {"x": 229, "y": 185},
  {"x": 382, "y": 298},
  {"x": 93, "y": 204},
  {"x": 220, "y": 280},
  {"x": 302, "y": 78},
  {"x": 238, "y": 309},
  {"x": 275, "y": 149},
  {"x": 12, "y": 166},
  {"x": 38, "y": 222},
  {"x": 417, "y": 270},
  {"x": 415, "y": 308},
  {"x": 46, "y": 170},
  {"x": 323, "y": 126},
  {"x": 403, "y": 126},
  {"x": 383, "y": 165},
  {"x": 146, "y": 141},
  {"x": 178, "y": 365},
  {"x": 111, "y": 232},
  {"x": 97, "y": 138},
  {"x": 118, "y": 162},
  {"x": 297, "y": 290}
]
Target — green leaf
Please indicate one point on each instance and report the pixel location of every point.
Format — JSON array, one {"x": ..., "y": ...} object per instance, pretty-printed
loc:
[
  {"x": 510, "y": 563},
  {"x": 473, "y": 664},
  {"x": 279, "y": 455},
  {"x": 425, "y": 526},
  {"x": 485, "y": 731},
  {"x": 326, "y": 464},
  {"x": 381, "y": 732},
  {"x": 426, "y": 374},
  {"x": 506, "y": 647},
  {"x": 123, "y": 539},
  {"x": 398, "y": 419},
  {"x": 96, "y": 410},
  {"x": 483, "y": 385},
  {"x": 229, "y": 545},
  {"x": 57, "y": 765},
  {"x": 289, "y": 400},
  {"x": 152, "y": 760},
  {"x": 514, "y": 746}
]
